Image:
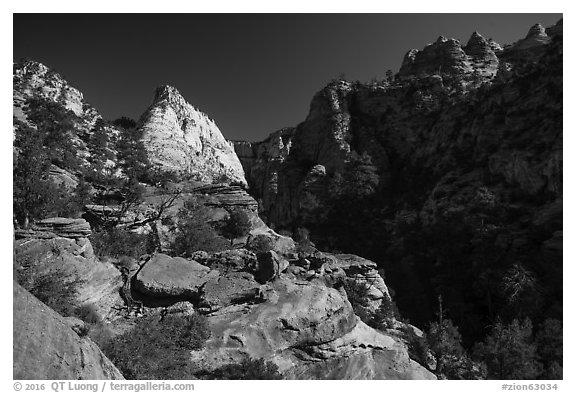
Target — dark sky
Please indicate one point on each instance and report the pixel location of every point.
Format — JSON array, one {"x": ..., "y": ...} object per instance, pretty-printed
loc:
[{"x": 252, "y": 73}]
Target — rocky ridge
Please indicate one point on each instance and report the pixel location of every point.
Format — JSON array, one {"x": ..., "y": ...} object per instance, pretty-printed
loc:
[
  {"x": 463, "y": 137},
  {"x": 389, "y": 122}
]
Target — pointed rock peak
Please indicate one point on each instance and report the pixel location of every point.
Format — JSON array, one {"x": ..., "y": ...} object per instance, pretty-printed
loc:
[
  {"x": 476, "y": 37},
  {"x": 441, "y": 39},
  {"x": 476, "y": 40},
  {"x": 165, "y": 92},
  {"x": 536, "y": 30},
  {"x": 479, "y": 48}
]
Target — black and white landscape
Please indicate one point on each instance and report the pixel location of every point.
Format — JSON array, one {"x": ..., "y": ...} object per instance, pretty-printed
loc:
[{"x": 407, "y": 227}]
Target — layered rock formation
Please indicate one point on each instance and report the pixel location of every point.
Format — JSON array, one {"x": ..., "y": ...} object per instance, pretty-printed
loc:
[
  {"x": 45, "y": 347},
  {"x": 181, "y": 139},
  {"x": 392, "y": 122},
  {"x": 465, "y": 136},
  {"x": 73, "y": 260},
  {"x": 310, "y": 332}
]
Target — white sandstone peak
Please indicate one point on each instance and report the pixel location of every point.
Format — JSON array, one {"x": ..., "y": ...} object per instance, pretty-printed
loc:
[{"x": 180, "y": 138}]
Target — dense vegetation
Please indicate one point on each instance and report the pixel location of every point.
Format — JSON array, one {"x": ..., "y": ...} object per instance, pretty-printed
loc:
[
  {"x": 158, "y": 348},
  {"x": 51, "y": 286},
  {"x": 248, "y": 369}
]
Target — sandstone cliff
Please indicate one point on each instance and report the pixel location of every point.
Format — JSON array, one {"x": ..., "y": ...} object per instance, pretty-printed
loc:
[
  {"x": 463, "y": 147},
  {"x": 419, "y": 120},
  {"x": 181, "y": 139}
]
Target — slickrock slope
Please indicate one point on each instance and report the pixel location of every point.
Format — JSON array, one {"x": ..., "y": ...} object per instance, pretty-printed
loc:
[
  {"x": 293, "y": 312},
  {"x": 310, "y": 331},
  {"x": 45, "y": 347},
  {"x": 181, "y": 139}
]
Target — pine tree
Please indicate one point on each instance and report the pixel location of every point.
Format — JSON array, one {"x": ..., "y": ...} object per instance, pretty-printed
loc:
[
  {"x": 33, "y": 193},
  {"x": 98, "y": 146},
  {"x": 389, "y": 76},
  {"x": 444, "y": 340},
  {"x": 55, "y": 126},
  {"x": 509, "y": 351}
]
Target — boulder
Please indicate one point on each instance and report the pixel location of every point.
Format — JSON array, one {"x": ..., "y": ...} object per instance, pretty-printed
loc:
[
  {"x": 363, "y": 353},
  {"x": 310, "y": 332},
  {"x": 184, "y": 308},
  {"x": 45, "y": 347},
  {"x": 165, "y": 276},
  {"x": 229, "y": 260},
  {"x": 228, "y": 289},
  {"x": 298, "y": 315}
]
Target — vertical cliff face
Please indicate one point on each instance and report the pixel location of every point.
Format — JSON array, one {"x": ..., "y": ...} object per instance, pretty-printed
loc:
[
  {"x": 422, "y": 118},
  {"x": 466, "y": 137},
  {"x": 181, "y": 139}
]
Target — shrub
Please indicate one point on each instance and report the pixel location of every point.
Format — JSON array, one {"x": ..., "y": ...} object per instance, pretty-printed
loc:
[
  {"x": 417, "y": 345},
  {"x": 303, "y": 242},
  {"x": 53, "y": 287},
  {"x": 116, "y": 242},
  {"x": 386, "y": 314},
  {"x": 193, "y": 231},
  {"x": 88, "y": 313},
  {"x": 250, "y": 369},
  {"x": 237, "y": 225},
  {"x": 357, "y": 292},
  {"x": 261, "y": 243},
  {"x": 158, "y": 348}
]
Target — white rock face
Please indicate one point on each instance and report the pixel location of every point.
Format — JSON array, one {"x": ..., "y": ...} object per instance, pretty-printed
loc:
[
  {"x": 179, "y": 138},
  {"x": 35, "y": 79}
]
